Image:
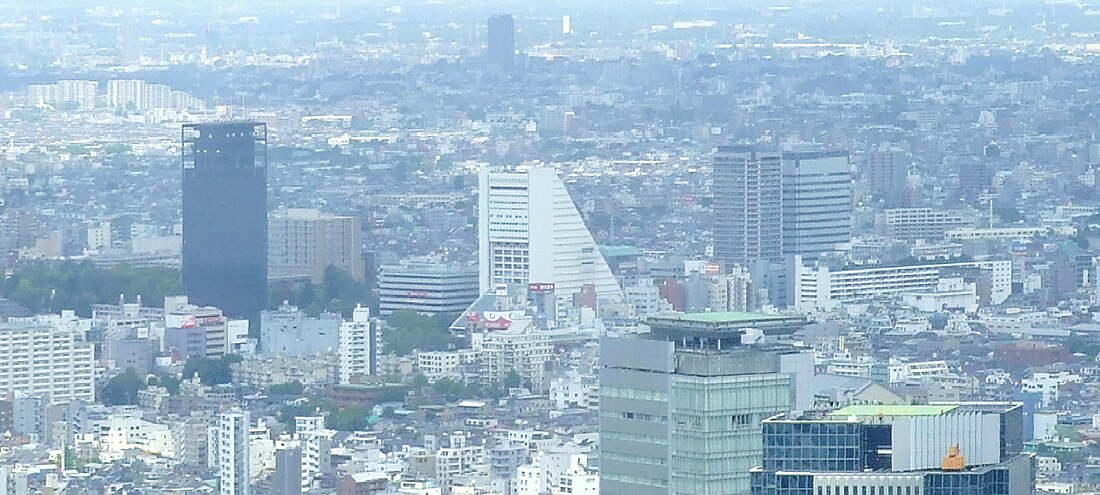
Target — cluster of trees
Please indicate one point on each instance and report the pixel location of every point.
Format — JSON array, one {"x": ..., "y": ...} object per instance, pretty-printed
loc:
[
  {"x": 350, "y": 418},
  {"x": 455, "y": 390},
  {"x": 294, "y": 388},
  {"x": 69, "y": 460},
  {"x": 49, "y": 288},
  {"x": 408, "y": 330},
  {"x": 211, "y": 371},
  {"x": 171, "y": 383},
  {"x": 1083, "y": 345},
  {"x": 339, "y": 292},
  {"x": 298, "y": 409},
  {"x": 122, "y": 389}
]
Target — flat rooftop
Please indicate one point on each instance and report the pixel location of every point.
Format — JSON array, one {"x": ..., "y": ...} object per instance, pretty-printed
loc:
[
  {"x": 718, "y": 329},
  {"x": 718, "y": 317},
  {"x": 886, "y": 410},
  {"x": 619, "y": 251}
]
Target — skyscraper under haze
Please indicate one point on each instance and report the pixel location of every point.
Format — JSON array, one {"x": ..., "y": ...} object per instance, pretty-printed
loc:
[
  {"x": 885, "y": 170},
  {"x": 817, "y": 202},
  {"x": 225, "y": 216},
  {"x": 502, "y": 41},
  {"x": 748, "y": 205}
]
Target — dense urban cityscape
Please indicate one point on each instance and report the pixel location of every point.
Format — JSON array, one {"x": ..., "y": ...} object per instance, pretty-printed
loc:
[{"x": 503, "y": 247}]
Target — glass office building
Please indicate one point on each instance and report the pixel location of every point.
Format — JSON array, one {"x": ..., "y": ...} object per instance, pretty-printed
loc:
[
  {"x": 897, "y": 450},
  {"x": 225, "y": 216}
]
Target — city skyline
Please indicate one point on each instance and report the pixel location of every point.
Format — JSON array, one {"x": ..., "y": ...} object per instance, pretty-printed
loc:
[{"x": 457, "y": 247}]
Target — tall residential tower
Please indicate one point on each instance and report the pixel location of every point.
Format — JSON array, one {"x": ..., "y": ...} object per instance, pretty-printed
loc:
[
  {"x": 748, "y": 208},
  {"x": 231, "y": 441}
]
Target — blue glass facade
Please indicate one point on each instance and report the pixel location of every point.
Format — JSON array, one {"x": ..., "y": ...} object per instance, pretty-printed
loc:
[
  {"x": 813, "y": 446},
  {"x": 225, "y": 217},
  {"x": 990, "y": 482},
  {"x": 830, "y": 457}
]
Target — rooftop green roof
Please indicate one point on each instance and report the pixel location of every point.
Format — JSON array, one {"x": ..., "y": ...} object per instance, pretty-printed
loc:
[
  {"x": 617, "y": 251},
  {"x": 873, "y": 410},
  {"x": 718, "y": 317}
]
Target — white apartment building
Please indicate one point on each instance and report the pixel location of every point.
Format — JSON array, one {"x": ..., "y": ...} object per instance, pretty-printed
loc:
[
  {"x": 731, "y": 292},
  {"x": 261, "y": 451},
  {"x": 125, "y": 315},
  {"x": 436, "y": 365},
  {"x": 574, "y": 391},
  {"x": 844, "y": 364},
  {"x": 231, "y": 441},
  {"x": 39, "y": 95},
  {"x": 81, "y": 93},
  {"x": 530, "y": 231},
  {"x": 458, "y": 458},
  {"x": 126, "y": 94},
  {"x": 969, "y": 234},
  {"x": 99, "y": 236},
  {"x": 910, "y": 224},
  {"x": 645, "y": 297},
  {"x": 123, "y": 432},
  {"x": 579, "y": 479},
  {"x": 358, "y": 346},
  {"x": 47, "y": 356},
  {"x": 820, "y": 288},
  {"x": 917, "y": 371},
  {"x": 158, "y": 96},
  {"x": 1048, "y": 385},
  {"x": 560, "y": 471},
  {"x": 316, "y": 443},
  {"x": 521, "y": 348},
  {"x": 530, "y": 479}
]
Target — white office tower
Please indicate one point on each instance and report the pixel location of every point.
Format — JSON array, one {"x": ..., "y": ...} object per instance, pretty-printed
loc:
[
  {"x": 356, "y": 346},
  {"x": 530, "y": 232},
  {"x": 233, "y": 453}
]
